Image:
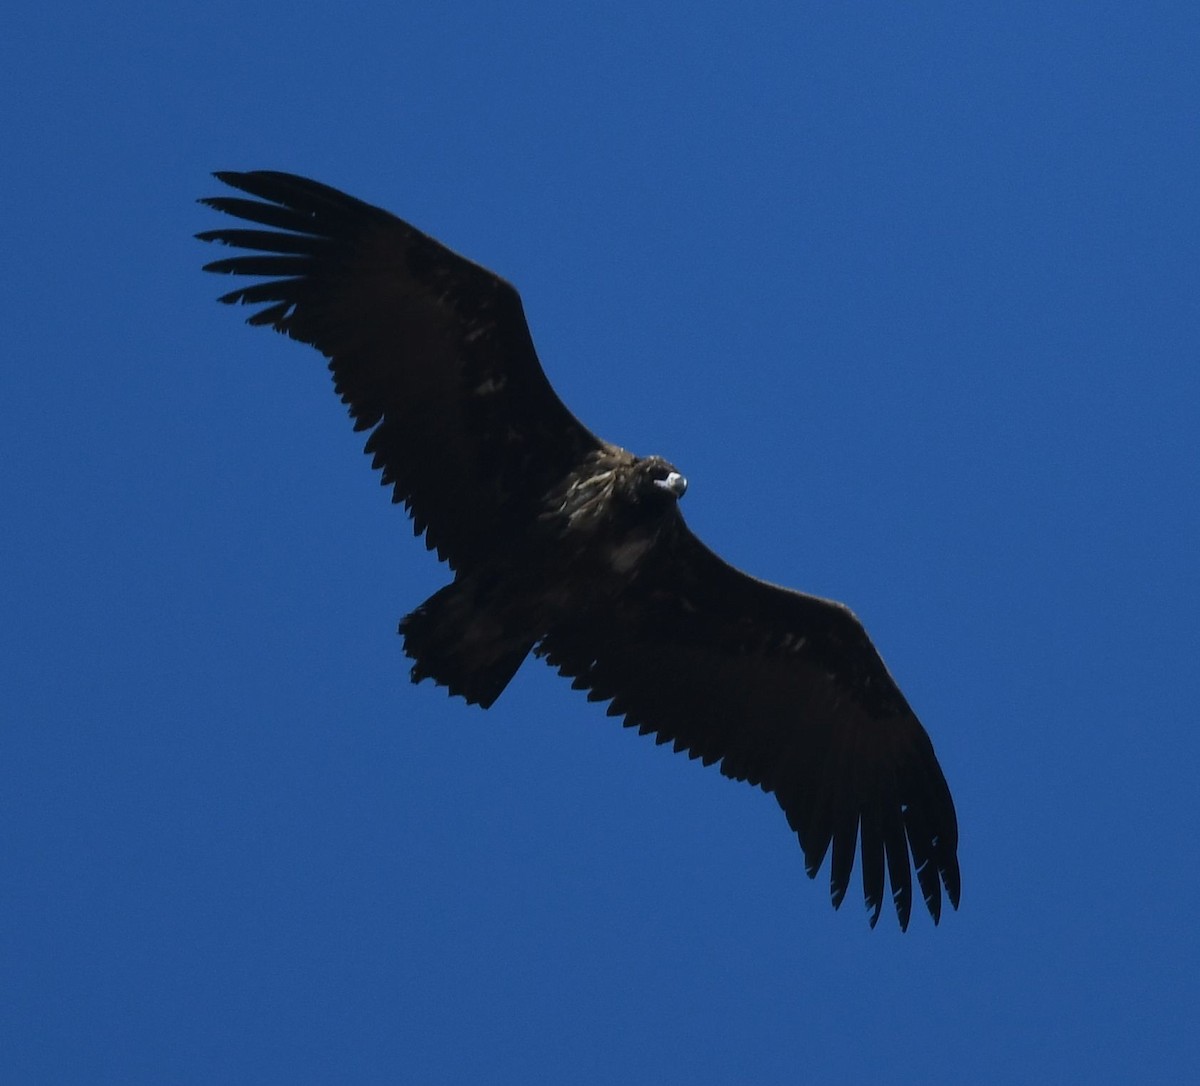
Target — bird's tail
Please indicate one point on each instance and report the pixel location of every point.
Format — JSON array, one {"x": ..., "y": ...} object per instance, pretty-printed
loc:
[{"x": 463, "y": 646}]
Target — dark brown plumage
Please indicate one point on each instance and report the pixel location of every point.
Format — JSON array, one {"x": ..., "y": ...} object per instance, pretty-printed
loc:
[{"x": 575, "y": 549}]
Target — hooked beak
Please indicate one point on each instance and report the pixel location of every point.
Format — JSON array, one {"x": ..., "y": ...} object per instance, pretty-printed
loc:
[{"x": 674, "y": 483}]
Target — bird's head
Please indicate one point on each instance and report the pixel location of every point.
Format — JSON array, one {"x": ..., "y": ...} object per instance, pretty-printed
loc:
[{"x": 659, "y": 480}]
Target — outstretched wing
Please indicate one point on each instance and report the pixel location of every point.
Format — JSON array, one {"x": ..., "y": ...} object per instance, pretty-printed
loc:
[
  {"x": 430, "y": 351},
  {"x": 787, "y": 692}
]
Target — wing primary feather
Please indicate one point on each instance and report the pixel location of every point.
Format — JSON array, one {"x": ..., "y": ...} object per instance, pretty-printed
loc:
[
  {"x": 818, "y": 830},
  {"x": 273, "y": 315},
  {"x": 277, "y": 290},
  {"x": 899, "y": 871},
  {"x": 282, "y": 218},
  {"x": 845, "y": 837},
  {"x": 949, "y": 872},
  {"x": 920, "y": 845},
  {"x": 815, "y": 838},
  {"x": 266, "y": 241},
  {"x": 871, "y": 860}
]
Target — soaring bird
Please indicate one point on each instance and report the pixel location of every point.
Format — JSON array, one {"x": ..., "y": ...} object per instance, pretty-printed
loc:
[{"x": 574, "y": 549}]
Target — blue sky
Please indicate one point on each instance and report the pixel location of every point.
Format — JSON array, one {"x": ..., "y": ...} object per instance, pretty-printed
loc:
[{"x": 911, "y": 297}]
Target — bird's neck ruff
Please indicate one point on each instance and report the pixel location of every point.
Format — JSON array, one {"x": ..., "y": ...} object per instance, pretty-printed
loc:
[{"x": 616, "y": 490}]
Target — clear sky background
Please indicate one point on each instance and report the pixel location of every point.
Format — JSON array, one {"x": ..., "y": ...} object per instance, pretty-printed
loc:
[{"x": 910, "y": 293}]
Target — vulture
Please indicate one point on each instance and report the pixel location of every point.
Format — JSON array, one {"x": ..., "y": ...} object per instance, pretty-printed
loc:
[{"x": 574, "y": 549}]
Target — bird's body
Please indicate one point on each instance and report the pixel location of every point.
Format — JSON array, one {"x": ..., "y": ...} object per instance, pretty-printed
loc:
[
  {"x": 574, "y": 549},
  {"x": 577, "y": 557}
]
